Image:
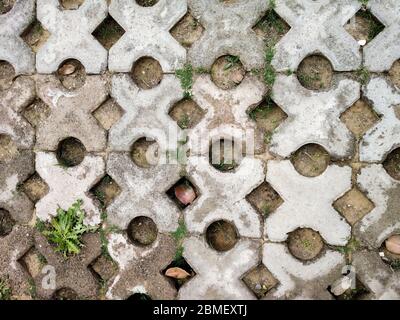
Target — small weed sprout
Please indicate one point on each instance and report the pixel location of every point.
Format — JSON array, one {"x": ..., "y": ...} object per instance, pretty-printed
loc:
[
  {"x": 5, "y": 290},
  {"x": 185, "y": 75},
  {"x": 363, "y": 75},
  {"x": 179, "y": 235},
  {"x": 231, "y": 62}
]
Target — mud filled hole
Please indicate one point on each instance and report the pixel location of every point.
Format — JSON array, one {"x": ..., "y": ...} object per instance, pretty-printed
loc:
[
  {"x": 310, "y": 160},
  {"x": 72, "y": 74},
  {"x": 70, "y": 152},
  {"x": 146, "y": 3},
  {"x": 364, "y": 27},
  {"x": 147, "y": 73},
  {"x": 142, "y": 231},
  {"x": 225, "y": 155},
  {"x": 108, "y": 32},
  {"x": 392, "y": 164},
  {"x": 7, "y": 75},
  {"x": 186, "y": 113},
  {"x": 305, "y": 244},
  {"x": 260, "y": 281},
  {"x": 6, "y": 223},
  {"x": 315, "y": 72},
  {"x": 71, "y": 4},
  {"x": 6, "y": 5},
  {"x": 145, "y": 152},
  {"x": 227, "y": 72},
  {"x": 265, "y": 199},
  {"x": 394, "y": 75},
  {"x": 187, "y": 31},
  {"x": 222, "y": 235},
  {"x": 8, "y": 149},
  {"x": 65, "y": 294}
]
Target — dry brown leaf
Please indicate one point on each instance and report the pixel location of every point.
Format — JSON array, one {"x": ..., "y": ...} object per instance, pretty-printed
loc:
[
  {"x": 177, "y": 273},
  {"x": 67, "y": 69}
]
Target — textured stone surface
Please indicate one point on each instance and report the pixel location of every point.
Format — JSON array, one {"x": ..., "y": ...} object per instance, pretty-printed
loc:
[
  {"x": 12, "y": 48},
  {"x": 223, "y": 195},
  {"x": 140, "y": 268},
  {"x": 317, "y": 26},
  {"x": 67, "y": 185},
  {"x": 228, "y": 31},
  {"x": 308, "y": 202},
  {"x": 384, "y": 137},
  {"x": 301, "y": 280},
  {"x": 226, "y": 115},
  {"x": 71, "y": 36},
  {"x": 71, "y": 113},
  {"x": 384, "y": 192},
  {"x": 218, "y": 274},
  {"x": 313, "y": 117},
  {"x": 388, "y": 13},
  {"x": 147, "y": 34}
]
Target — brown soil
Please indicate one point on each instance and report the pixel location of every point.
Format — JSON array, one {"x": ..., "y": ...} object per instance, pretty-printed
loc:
[
  {"x": 65, "y": 294},
  {"x": 364, "y": 26},
  {"x": 8, "y": 149},
  {"x": 104, "y": 267},
  {"x": 6, "y": 5},
  {"x": 106, "y": 191},
  {"x": 147, "y": 73},
  {"x": 227, "y": 72},
  {"x": 315, "y": 73},
  {"x": 311, "y": 160},
  {"x": 394, "y": 74},
  {"x": 265, "y": 199},
  {"x": 354, "y": 205},
  {"x": 392, "y": 164},
  {"x": 222, "y": 235},
  {"x": 260, "y": 280},
  {"x": 305, "y": 244},
  {"x": 142, "y": 231},
  {"x": 186, "y": 113},
  {"x": 226, "y": 160},
  {"x": 74, "y": 80},
  {"x": 35, "y": 188},
  {"x": 37, "y": 112},
  {"x": 187, "y": 31},
  {"x": 6, "y": 223},
  {"x": 108, "y": 114},
  {"x": 359, "y": 118},
  {"x": 35, "y": 35},
  {"x": 71, "y": 4},
  {"x": 145, "y": 153},
  {"x": 7, "y": 75},
  {"x": 146, "y": 3},
  {"x": 271, "y": 27},
  {"x": 70, "y": 152},
  {"x": 108, "y": 32},
  {"x": 33, "y": 262}
]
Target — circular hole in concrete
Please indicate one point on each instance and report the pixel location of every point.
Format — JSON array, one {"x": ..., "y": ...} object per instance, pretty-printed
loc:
[
  {"x": 6, "y": 6},
  {"x": 227, "y": 72},
  {"x": 392, "y": 164},
  {"x": 139, "y": 296},
  {"x": 7, "y": 75},
  {"x": 145, "y": 152},
  {"x": 6, "y": 223},
  {"x": 391, "y": 251},
  {"x": 8, "y": 149},
  {"x": 394, "y": 74},
  {"x": 310, "y": 160},
  {"x": 142, "y": 231},
  {"x": 315, "y": 73},
  {"x": 305, "y": 244},
  {"x": 225, "y": 155},
  {"x": 222, "y": 235},
  {"x": 147, "y": 73},
  {"x": 147, "y": 3},
  {"x": 65, "y": 294},
  {"x": 70, "y": 152},
  {"x": 71, "y": 4},
  {"x": 72, "y": 74}
]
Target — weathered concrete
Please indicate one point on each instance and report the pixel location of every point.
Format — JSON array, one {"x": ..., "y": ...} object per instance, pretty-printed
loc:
[
  {"x": 308, "y": 202},
  {"x": 388, "y": 12},
  {"x": 301, "y": 280},
  {"x": 71, "y": 113},
  {"x": 226, "y": 115},
  {"x": 71, "y": 35},
  {"x": 147, "y": 34},
  {"x": 384, "y": 137},
  {"x": 67, "y": 185},
  {"x": 218, "y": 274},
  {"x": 228, "y": 31},
  {"x": 383, "y": 220},
  {"x": 143, "y": 193},
  {"x": 313, "y": 117},
  {"x": 317, "y": 27},
  {"x": 140, "y": 268},
  {"x": 12, "y": 48}
]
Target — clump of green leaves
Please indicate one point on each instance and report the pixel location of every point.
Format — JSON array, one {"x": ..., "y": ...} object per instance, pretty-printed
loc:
[
  {"x": 179, "y": 234},
  {"x": 5, "y": 290},
  {"x": 231, "y": 61},
  {"x": 66, "y": 229},
  {"x": 363, "y": 75},
  {"x": 365, "y": 2},
  {"x": 185, "y": 75},
  {"x": 269, "y": 71}
]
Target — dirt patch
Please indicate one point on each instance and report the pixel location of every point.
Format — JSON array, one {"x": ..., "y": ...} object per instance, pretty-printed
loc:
[
  {"x": 146, "y": 3},
  {"x": 33, "y": 262},
  {"x": 147, "y": 73},
  {"x": 7, "y": 75},
  {"x": 187, "y": 31},
  {"x": 315, "y": 73},
  {"x": 359, "y": 118},
  {"x": 71, "y": 4},
  {"x": 222, "y": 235},
  {"x": 186, "y": 113},
  {"x": 70, "y": 152},
  {"x": 394, "y": 74},
  {"x": 35, "y": 35},
  {"x": 265, "y": 199},
  {"x": 364, "y": 26},
  {"x": 271, "y": 27},
  {"x": 354, "y": 205},
  {"x": 37, "y": 112},
  {"x": 311, "y": 160},
  {"x": 72, "y": 74},
  {"x": 65, "y": 294},
  {"x": 227, "y": 72},
  {"x": 106, "y": 191},
  {"x": 145, "y": 153},
  {"x": 225, "y": 155},
  {"x": 6, "y": 6},
  {"x": 392, "y": 164},
  {"x": 108, "y": 114},
  {"x": 104, "y": 267},
  {"x": 8, "y": 149},
  {"x": 260, "y": 281},
  {"x": 108, "y": 32},
  {"x": 183, "y": 193},
  {"x": 35, "y": 188},
  {"x": 305, "y": 244},
  {"x": 6, "y": 223},
  {"x": 142, "y": 231}
]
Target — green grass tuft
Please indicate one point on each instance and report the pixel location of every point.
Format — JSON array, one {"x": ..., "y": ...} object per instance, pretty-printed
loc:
[
  {"x": 185, "y": 75},
  {"x": 5, "y": 290}
]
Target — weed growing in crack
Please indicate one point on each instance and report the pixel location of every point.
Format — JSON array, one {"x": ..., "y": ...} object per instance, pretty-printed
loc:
[
  {"x": 374, "y": 27},
  {"x": 32, "y": 288},
  {"x": 262, "y": 111},
  {"x": 185, "y": 75},
  {"x": 179, "y": 234},
  {"x": 184, "y": 121},
  {"x": 231, "y": 61},
  {"x": 350, "y": 247},
  {"x": 364, "y": 2},
  {"x": 269, "y": 71},
  {"x": 5, "y": 290},
  {"x": 201, "y": 70},
  {"x": 363, "y": 75}
]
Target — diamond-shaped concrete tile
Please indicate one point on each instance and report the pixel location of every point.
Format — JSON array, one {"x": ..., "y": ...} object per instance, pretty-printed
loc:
[
  {"x": 260, "y": 280},
  {"x": 265, "y": 199}
]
